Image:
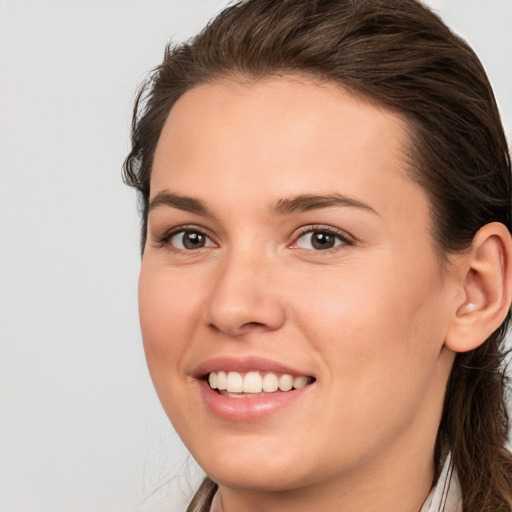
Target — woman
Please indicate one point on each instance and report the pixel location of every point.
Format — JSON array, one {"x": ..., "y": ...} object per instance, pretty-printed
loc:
[{"x": 326, "y": 272}]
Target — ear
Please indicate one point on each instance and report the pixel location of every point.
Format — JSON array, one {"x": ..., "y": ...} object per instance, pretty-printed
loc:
[{"x": 486, "y": 281}]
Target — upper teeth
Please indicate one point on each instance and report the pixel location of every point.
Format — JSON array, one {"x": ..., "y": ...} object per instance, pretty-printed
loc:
[{"x": 254, "y": 382}]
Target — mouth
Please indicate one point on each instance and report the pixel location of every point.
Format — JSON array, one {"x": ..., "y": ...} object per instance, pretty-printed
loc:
[
  {"x": 234, "y": 384},
  {"x": 247, "y": 389}
]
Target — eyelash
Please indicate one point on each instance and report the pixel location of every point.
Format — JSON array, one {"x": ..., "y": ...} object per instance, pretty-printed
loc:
[
  {"x": 164, "y": 240},
  {"x": 340, "y": 236},
  {"x": 344, "y": 238}
]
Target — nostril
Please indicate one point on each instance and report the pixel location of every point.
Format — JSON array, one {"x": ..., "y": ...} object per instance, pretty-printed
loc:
[
  {"x": 242, "y": 329},
  {"x": 251, "y": 325}
]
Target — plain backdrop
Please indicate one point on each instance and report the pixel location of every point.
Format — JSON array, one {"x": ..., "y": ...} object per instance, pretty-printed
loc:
[{"x": 81, "y": 429}]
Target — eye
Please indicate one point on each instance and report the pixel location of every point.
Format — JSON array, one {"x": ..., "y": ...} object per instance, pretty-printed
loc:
[
  {"x": 320, "y": 240},
  {"x": 186, "y": 240}
]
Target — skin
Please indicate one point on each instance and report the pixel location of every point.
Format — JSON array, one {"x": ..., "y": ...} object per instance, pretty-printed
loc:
[{"x": 367, "y": 318}]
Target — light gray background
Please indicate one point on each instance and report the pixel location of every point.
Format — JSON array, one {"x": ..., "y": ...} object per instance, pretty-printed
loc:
[{"x": 80, "y": 425}]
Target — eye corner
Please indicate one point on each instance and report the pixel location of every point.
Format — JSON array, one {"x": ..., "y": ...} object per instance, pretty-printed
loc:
[
  {"x": 185, "y": 239},
  {"x": 321, "y": 239}
]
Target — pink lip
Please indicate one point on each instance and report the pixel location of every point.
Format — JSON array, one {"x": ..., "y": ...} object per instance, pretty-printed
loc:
[
  {"x": 251, "y": 408},
  {"x": 245, "y": 364}
]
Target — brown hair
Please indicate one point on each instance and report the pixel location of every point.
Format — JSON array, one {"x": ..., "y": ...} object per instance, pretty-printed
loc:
[{"x": 400, "y": 54}]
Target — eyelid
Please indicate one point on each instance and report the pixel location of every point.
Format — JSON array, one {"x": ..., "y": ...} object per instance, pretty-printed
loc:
[
  {"x": 164, "y": 239},
  {"x": 346, "y": 238}
]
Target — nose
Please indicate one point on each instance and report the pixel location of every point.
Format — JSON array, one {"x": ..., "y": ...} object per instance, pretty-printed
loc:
[{"x": 245, "y": 297}]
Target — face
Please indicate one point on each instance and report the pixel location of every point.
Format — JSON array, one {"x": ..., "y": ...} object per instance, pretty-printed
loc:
[{"x": 288, "y": 248}]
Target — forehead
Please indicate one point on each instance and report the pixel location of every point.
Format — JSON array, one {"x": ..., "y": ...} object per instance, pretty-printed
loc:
[
  {"x": 298, "y": 111},
  {"x": 293, "y": 99},
  {"x": 282, "y": 136}
]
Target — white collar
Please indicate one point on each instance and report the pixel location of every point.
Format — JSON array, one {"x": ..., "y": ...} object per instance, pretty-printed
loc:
[{"x": 446, "y": 495}]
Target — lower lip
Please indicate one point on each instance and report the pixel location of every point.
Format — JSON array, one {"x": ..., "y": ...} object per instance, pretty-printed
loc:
[{"x": 245, "y": 409}]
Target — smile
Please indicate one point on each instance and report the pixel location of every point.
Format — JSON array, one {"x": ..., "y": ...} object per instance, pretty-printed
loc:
[
  {"x": 255, "y": 383},
  {"x": 251, "y": 388}
]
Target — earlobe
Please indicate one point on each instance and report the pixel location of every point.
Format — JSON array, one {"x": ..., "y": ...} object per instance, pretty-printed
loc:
[{"x": 487, "y": 289}]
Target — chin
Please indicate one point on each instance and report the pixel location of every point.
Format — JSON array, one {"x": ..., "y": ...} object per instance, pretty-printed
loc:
[
  {"x": 257, "y": 469},
  {"x": 264, "y": 478}
]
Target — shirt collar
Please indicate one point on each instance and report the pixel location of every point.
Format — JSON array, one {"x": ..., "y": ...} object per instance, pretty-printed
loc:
[{"x": 445, "y": 495}]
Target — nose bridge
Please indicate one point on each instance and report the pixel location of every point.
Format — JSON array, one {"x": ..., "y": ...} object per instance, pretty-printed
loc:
[{"x": 243, "y": 295}]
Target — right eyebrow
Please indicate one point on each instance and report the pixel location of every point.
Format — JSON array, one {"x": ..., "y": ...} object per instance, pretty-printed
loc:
[
  {"x": 186, "y": 203},
  {"x": 308, "y": 202}
]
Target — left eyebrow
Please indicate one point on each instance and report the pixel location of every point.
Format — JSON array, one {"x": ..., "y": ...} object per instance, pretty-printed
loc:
[
  {"x": 185, "y": 203},
  {"x": 307, "y": 202}
]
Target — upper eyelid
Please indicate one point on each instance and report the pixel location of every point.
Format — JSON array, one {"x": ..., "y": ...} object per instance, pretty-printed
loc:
[
  {"x": 324, "y": 228},
  {"x": 169, "y": 233},
  {"x": 342, "y": 234}
]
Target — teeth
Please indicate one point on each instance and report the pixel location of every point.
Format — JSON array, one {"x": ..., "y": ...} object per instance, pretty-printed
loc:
[
  {"x": 234, "y": 383},
  {"x": 285, "y": 382},
  {"x": 300, "y": 382},
  {"x": 222, "y": 381},
  {"x": 270, "y": 383},
  {"x": 254, "y": 382}
]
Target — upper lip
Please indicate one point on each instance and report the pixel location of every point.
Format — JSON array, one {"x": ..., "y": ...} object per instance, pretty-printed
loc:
[{"x": 244, "y": 364}]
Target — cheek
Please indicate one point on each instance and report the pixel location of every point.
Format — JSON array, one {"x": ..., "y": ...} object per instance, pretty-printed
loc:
[
  {"x": 375, "y": 323},
  {"x": 166, "y": 317}
]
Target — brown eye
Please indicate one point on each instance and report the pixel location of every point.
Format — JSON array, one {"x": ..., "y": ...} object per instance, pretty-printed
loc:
[
  {"x": 322, "y": 240},
  {"x": 190, "y": 240},
  {"x": 319, "y": 240}
]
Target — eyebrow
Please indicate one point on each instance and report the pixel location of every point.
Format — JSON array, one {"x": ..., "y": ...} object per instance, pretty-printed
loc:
[
  {"x": 284, "y": 206},
  {"x": 188, "y": 204},
  {"x": 307, "y": 202}
]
